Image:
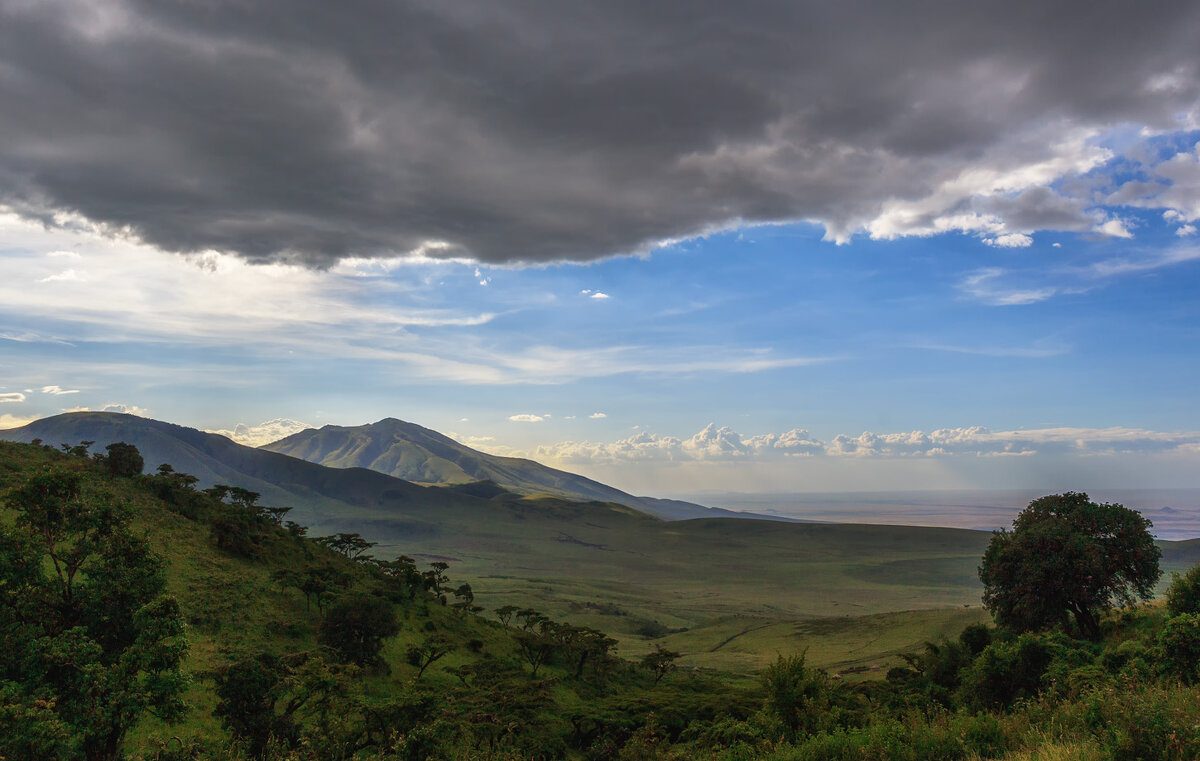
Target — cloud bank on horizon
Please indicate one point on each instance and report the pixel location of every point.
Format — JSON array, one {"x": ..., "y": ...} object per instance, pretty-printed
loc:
[
  {"x": 310, "y": 132},
  {"x": 714, "y": 443}
]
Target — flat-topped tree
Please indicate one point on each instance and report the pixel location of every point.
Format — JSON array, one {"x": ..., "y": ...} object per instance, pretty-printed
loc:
[{"x": 1068, "y": 558}]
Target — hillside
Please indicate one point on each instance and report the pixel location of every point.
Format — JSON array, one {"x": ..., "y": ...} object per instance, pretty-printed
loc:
[
  {"x": 418, "y": 454},
  {"x": 233, "y": 659},
  {"x": 594, "y": 563}
]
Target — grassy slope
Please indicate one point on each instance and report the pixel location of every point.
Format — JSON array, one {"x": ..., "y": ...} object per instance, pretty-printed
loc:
[{"x": 233, "y": 607}]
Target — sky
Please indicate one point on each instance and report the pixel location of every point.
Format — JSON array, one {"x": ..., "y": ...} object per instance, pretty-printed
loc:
[{"x": 677, "y": 247}]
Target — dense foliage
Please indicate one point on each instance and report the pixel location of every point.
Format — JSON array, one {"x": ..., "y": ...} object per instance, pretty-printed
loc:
[
  {"x": 90, "y": 640},
  {"x": 307, "y": 649},
  {"x": 1068, "y": 557}
]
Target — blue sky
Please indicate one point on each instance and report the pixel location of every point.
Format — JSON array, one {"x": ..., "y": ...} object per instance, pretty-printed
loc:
[{"x": 962, "y": 267}]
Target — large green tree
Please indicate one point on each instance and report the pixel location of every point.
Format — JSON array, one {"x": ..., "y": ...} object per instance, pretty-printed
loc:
[
  {"x": 1068, "y": 558},
  {"x": 355, "y": 628},
  {"x": 90, "y": 640}
]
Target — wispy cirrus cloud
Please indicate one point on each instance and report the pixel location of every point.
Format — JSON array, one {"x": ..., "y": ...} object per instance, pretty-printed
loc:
[
  {"x": 217, "y": 300},
  {"x": 1131, "y": 265},
  {"x": 998, "y": 286},
  {"x": 58, "y": 390},
  {"x": 988, "y": 285}
]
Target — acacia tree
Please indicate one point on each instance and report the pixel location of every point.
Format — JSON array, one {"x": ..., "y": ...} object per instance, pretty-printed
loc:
[
  {"x": 88, "y": 634},
  {"x": 431, "y": 650},
  {"x": 660, "y": 662},
  {"x": 1068, "y": 558}
]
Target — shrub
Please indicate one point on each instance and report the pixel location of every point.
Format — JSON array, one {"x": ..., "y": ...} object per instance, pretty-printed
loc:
[
  {"x": 1183, "y": 595},
  {"x": 796, "y": 695},
  {"x": 1020, "y": 668},
  {"x": 1180, "y": 644}
]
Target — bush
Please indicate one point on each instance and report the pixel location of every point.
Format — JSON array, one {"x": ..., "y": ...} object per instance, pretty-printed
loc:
[
  {"x": 796, "y": 695},
  {"x": 1183, "y": 595},
  {"x": 1019, "y": 669},
  {"x": 949, "y": 739},
  {"x": 1179, "y": 641}
]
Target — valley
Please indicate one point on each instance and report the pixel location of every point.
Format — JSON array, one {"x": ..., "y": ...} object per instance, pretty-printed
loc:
[{"x": 730, "y": 594}]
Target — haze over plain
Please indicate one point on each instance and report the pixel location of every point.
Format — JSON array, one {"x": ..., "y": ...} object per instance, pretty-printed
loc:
[{"x": 914, "y": 248}]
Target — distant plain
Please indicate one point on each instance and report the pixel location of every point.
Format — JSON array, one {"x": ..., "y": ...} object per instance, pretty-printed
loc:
[{"x": 1174, "y": 512}]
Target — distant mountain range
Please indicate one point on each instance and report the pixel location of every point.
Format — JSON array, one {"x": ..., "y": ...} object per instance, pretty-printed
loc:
[
  {"x": 320, "y": 471},
  {"x": 418, "y": 454}
]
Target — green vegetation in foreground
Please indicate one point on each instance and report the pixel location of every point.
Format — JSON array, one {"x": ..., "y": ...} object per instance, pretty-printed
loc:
[{"x": 298, "y": 650}]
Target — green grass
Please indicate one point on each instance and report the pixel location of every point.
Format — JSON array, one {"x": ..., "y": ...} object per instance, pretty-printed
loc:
[{"x": 855, "y": 647}]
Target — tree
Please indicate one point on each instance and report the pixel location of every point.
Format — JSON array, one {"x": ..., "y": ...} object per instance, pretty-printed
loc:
[
  {"x": 351, "y": 546},
  {"x": 1067, "y": 557},
  {"x": 536, "y": 648},
  {"x": 432, "y": 649},
  {"x": 505, "y": 613},
  {"x": 356, "y": 626},
  {"x": 659, "y": 662},
  {"x": 402, "y": 575},
  {"x": 124, "y": 460},
  {"x": 249, "y": 693},
  {"x": 466, "y": 600},
  {"x": 88, "y": 633}
]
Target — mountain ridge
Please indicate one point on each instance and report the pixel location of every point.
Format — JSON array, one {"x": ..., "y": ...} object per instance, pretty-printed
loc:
[
  {"x": 422, "y": 455},
  {"x": 321, "y": 495}
]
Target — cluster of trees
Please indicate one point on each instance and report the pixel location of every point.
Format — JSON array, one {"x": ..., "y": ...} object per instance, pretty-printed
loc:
[
  {"x": 92, "y": 644},
  {"x": 90, "y": 639}
]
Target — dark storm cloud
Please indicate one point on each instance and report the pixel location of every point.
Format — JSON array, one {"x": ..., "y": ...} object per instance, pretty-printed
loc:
[{"x": 542, "y": 131}]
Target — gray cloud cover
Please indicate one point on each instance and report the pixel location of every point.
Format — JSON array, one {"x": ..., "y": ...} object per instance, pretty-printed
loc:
[{"x": 538, "y": 131}]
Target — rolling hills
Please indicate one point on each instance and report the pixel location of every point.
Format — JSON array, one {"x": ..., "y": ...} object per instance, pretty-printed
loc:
[{"x": 698, "y": 582}]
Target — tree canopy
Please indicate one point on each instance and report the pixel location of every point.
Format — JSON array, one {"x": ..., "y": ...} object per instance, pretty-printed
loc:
[
  {"x": 89, "y": 637},
  {"x": 1068, "y": 558}
]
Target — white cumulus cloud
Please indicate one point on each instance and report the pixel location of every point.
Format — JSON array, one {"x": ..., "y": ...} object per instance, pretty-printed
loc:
[
  {"x": 1010, "y": 240},
  {"x": 14, "y": 396},
  {"x": 263, "y": 433},
  {"x": 722, "y": 443},
  {"x": 525, "y": 417}
]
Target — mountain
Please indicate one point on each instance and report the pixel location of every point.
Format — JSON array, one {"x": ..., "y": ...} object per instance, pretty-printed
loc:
[
  {"x": 414, "y": 453},
  {"x": 323, "y": 497}
]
